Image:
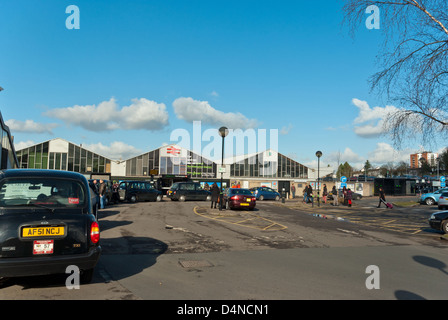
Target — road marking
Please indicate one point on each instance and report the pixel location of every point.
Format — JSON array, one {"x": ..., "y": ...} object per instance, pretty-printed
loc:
[{"x": 256, "y": 222}]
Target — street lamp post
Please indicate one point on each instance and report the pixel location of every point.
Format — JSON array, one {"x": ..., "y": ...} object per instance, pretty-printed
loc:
[
  {"x": 223, "y": 131},
  {"x": 318, "y": 155}
]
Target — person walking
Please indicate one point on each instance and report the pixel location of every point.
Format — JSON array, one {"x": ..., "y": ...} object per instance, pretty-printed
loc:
[
  {"x": 324, "y": 194},
  {"x": 349, "y": 197},
  {"x": 304, "y": 194},
  {"x": 215, "y": 195},
  {"x": 382, "y": 197},
  {"x": 293, "y": 190},
  {"x": 334, "y": 192}
]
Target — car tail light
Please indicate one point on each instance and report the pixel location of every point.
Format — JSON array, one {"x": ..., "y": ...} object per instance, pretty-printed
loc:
[
  {"x": 95, "y": 232},
  {"x": 254, "y": 199},
  {"x": 235, "y": 198}
]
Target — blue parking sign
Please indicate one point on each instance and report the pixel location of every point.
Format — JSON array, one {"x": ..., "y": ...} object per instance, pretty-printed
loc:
[
  {"x": 343, "y": 179},
  {"x": 442, "y": 179}
]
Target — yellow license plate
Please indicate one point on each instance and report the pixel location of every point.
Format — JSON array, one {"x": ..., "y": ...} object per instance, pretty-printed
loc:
[
  {"x": 244, "y": 204},
  {"x": 29, "y": 232}
]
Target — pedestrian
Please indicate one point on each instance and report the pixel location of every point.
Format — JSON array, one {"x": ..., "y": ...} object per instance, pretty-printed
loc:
[
  {"x": 309, "y": 194},
  {"x": 102, "y": 193},
  {"x": 293, "y": 190},
  {"x": 215, "y": 195},
  {"x": 344, "y": 195},
  {"x": 382, "y": 197},
  {"x": 334, "y": 192},
  {"x": 325, "y": 194},
  {"x": 304, "y": 194},
  {"x": 349, "y": 197}
]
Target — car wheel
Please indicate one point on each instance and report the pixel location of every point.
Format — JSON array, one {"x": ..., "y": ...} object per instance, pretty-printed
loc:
[
  {"x": 445, "y": 226},
  {"x": 182, "y": 198},
  {"x": 209, "y": 198},
  {"x": 159, "y": 198},
  {"x": 133, "y": 199},
  {"x": 430, "y": 201},
  {"x": 277, "y": 198},
  {"x": 261, "y": 198},
  {"x": 86, "y": 276}
]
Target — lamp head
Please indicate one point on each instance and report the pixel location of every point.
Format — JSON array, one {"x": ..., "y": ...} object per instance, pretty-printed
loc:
[
  {"x": 319, "y": 154},
  {"x": 223, "y": 132}
]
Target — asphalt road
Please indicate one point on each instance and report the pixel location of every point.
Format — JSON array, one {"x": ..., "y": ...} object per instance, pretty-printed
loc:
[{"x": 185, "y": 251}]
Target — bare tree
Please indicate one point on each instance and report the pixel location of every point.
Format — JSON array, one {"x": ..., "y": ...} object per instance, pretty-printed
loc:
[{"x": 413, "y": 64}]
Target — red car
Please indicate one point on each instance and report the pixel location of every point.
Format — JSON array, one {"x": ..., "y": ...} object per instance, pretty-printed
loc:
[{"x": 239, "y": 198}]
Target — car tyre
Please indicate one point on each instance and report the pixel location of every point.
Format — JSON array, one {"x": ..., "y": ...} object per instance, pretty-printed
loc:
[
  {"x": 133, "y": 198},
  {"x": 277, "y": 198},
  {"x": 182, "y": 198},
  {"x": 159, "y": 198},
  {"x": 430, "y": 201},
  {"x": 261, "y": 198},
  {"x": 86, "y": 276},
  {"x": 445, "y": 226}
]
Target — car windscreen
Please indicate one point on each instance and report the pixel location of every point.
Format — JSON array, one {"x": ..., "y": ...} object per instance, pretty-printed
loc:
[
  {"x": 241, "y": 191},
  {"x": 45, "y": 192}
]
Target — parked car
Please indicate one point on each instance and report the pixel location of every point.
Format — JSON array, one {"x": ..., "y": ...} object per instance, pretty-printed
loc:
[
  {"x": 443, "y": 201},
  {"x": 46, "y": 224},
  {"x": 265, "y": 193},
  {"x": 134, "y": 191},
  {"x": 183, "y": 191},
  {"x": 433, "y": 197},
  {"x": 439, "y": 221},
  {"x": 239, "y": 198}
]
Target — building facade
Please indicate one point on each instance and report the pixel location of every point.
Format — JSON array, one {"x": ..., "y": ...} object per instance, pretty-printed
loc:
[
  {"x": 166, "y": 165},
  {"x": 58, "y": 154},
  {"x": 429, "y": 157},
  {"x": 8, "y": 159}
]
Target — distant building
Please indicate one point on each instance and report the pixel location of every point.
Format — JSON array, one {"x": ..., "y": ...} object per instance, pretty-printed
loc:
[
  {"x": 8, "y": 159},
  {"x": 430, "y": 158}
]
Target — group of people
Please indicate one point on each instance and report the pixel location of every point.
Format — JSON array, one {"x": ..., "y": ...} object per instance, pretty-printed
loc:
[
  {"x": 347, "y": 195},
  {"x": 100, "y": 191}
]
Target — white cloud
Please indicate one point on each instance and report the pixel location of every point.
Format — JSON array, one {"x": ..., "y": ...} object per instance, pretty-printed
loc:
[
  {"x": 23, "y": 144},
  {"x": 191, "y": 110},
  {"x": 141, "y": 114},
  {"x": 29, "y": 126},
  {"x": 286, "y": 129},
  {"x": 370, "y": 121},
  {"x": 214, "y": 94},
  {"x": 385, "y": 153},
  {"x": 116, "y": 150}
]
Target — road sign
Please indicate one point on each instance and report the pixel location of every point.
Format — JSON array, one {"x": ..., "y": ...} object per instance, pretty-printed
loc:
[
  {"x": 443, "y": 184},
  {"x": 343, "y": 179},
  {"x": 442, "y": 179}
]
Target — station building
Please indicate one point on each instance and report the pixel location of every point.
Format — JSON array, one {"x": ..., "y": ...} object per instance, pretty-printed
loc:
[{"x": 168, "y": 164}]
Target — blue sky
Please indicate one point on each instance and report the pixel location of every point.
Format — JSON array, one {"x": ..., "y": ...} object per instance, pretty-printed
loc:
[{"x": 135, "y": 71}]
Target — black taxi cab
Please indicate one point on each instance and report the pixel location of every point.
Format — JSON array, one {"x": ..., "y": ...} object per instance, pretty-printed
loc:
[{"x": 46, "y": 224}]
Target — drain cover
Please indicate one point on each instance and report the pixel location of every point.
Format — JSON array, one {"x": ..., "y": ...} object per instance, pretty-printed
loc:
[{"x": 195, "y": 263}]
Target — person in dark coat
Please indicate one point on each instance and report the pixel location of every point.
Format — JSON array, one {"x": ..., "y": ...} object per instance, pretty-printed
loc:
[
  {"x": 215, "y": 195},
  {"x": 382, "y": 198}
]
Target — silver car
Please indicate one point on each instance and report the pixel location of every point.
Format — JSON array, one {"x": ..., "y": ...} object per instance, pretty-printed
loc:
[{"x": 443, "y": 201}]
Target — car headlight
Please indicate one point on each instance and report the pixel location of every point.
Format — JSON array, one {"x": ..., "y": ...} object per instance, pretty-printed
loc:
[{"x": 432, "y": 217}]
